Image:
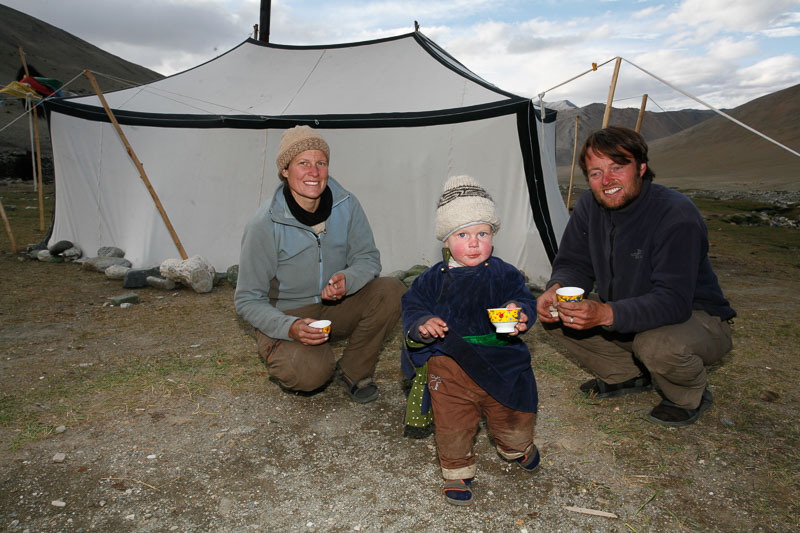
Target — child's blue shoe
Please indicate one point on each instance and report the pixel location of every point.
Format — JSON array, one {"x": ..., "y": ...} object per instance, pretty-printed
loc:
[
  {"x": 458, "y": 491},
  {"x": 530, "y": 462}
]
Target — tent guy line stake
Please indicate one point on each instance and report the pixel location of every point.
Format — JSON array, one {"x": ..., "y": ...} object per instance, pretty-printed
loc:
[
  {"x": 38, "y": 146},
  {"x": 138, "y": 164}
]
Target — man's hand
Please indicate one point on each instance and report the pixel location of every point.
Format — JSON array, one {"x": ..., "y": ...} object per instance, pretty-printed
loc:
[
  {"x": 544, "y": 302},
  {"x": 335, "y": 289},
  {"x": 433, "y": 327},
  {"x": 585, "y": 314},
  {"x": 302, "y": 332}
]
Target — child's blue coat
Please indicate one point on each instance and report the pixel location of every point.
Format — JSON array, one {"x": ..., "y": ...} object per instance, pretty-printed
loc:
[{"x": 461, "y": 296}]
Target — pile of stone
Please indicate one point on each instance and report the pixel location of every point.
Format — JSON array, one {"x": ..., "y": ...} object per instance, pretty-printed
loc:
[{"x": 194, "y": 272}]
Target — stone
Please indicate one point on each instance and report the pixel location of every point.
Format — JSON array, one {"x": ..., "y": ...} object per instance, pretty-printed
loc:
[
  {"x": 136, "y": 278},
  {"x": 58, "y": 503},
  {"x": 71, "y": 254},
  {"x": 110, "y": 251},
  {"x": 43, "y": 255},
  {"x": 398, "y": 274},
  {"x": 194, "y": 272},
  {"x": 117, "y": 271},
  {"x": 219, "y": 277},
  {"x": 233, "y": 275},
  {"x": 160, "y": 283},
  {"x": 100, "y": 264},
  {"x": 129, "y": 297},
  {"x": 59, "y": 457},
  {"x": 55, "y": 259},
  {"x": 60, "y": 429},
  {"x": 59, "y": 247}
]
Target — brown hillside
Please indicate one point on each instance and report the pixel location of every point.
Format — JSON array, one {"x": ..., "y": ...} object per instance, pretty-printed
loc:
[
  {"x": 719, "y": 153},
  {"x": 55, "y": 54}
]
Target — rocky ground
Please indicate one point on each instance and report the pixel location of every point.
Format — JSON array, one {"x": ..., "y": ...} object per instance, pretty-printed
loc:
[{"x": 159, "y": 417}]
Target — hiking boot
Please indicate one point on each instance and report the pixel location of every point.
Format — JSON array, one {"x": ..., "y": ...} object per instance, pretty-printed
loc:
[
  {"x": 597, "y": 388},
  {"x": 668, "y": 414}
]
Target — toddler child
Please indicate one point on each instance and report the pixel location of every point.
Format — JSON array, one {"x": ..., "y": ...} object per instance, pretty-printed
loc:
[{"x": 461, "y": 367}]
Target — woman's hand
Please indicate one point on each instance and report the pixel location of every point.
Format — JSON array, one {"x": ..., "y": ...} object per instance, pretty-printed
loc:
[
  {"x": 302, "y": 332},
  {"x": 336, "y": 288}
]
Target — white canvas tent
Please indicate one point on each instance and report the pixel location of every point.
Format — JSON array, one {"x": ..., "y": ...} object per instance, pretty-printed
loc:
[{"x": 400, "y": 115}]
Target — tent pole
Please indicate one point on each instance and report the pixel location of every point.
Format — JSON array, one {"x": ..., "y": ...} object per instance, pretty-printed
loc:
[
  {"x": 138, "y": 164},
  {"x": 38, "y": 146},
  {"x": 8, "y": 228},
  {"x": 611, "y": 90},
  {"x": 572, "y": 171},
  {"x": 255, "y": 32},
  {"x": 29, "y": 110},
  {"x": 266, "y": 8},
  {"x": 640, "y": 118}
]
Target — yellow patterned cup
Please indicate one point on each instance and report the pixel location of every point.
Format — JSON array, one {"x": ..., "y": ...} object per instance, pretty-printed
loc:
[
  {"x": 504, "y": 320},
  {"x": 324, "y": 325},
  {"x": 569, "y": 294}
]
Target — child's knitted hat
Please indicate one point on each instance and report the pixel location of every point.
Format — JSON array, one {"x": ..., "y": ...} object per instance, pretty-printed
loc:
[{"x": 464, "y": 203}]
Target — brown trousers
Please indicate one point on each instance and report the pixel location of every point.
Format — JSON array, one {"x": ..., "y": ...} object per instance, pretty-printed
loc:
[
  {"x": 366, "y": 317},
  {"x": 675, "y": 355},
  {"x": 458, "y": 403}
]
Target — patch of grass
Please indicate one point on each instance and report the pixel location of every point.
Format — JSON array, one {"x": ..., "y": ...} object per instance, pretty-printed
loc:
[{"x": 80, "y": 395}]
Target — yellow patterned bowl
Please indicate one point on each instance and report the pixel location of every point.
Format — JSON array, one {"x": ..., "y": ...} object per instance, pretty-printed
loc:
[{"x": 504, "y": 320}]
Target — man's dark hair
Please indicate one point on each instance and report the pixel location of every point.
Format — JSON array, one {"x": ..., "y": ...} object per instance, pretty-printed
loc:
[{"x": 611, "y": 142}]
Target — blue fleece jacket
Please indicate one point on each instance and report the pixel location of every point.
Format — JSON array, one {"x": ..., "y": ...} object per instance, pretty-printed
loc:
[{"x": 649, "y": 259}]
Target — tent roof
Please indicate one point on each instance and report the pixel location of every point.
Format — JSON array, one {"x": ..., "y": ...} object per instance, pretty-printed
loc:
[{"x": 401, "y": 74}]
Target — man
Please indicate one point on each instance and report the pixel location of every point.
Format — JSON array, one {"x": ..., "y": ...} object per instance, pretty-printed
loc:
[{"x": 659, "y": 316}]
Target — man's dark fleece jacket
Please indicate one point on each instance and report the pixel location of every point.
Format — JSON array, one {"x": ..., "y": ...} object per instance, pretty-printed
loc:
[{"x": 649, "y": 259}]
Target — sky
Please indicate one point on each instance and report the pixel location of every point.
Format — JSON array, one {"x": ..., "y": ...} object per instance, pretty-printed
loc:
[{"x": 721, "y": 52}]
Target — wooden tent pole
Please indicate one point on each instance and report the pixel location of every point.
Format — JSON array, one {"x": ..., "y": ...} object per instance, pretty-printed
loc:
[
  {"x": 255, "y": 32},
  {"x": 572, "y": 171},
  {"x": 640, "y": 118},
  {"x": 38, "y": 146},
  {"x": 138, "y": 164},
  {"x": 611, "y": 90},
  {"x": 8, "y": 228}
]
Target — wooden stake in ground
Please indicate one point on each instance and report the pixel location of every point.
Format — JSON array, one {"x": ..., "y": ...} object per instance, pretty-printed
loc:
[
  {"x": 38, "y": 147},
  {"x": 572, "y": 171},
  {"x": 8, "y": 229},
  {"x": 611, "y": 90},
  {"x": 138, "y": 164},
  {"x": 640, "y": 118}
]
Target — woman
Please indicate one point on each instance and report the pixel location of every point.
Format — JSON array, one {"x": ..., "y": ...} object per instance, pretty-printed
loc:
[{"x": 307, "y": 255}]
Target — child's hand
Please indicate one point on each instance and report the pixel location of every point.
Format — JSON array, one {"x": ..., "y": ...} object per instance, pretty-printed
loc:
[
  {"x": 522, "y": 325},
  {"x": 433, "y": 327}
]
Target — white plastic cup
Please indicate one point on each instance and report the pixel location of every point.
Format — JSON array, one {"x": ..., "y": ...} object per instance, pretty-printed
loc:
[{"x": 324, "y": 325}]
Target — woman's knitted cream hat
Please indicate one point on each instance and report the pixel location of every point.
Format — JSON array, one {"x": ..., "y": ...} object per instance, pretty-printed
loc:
[
  {"x": 297, "y": 140},
  {"x": 464, "y": 203}
]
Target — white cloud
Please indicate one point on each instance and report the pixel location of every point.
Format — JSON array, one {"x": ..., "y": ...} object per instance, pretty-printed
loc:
[
  {"x": 779, "y": 70},
  {"x": 712, "y": 16},
  {"x": 784, "y": 31}
]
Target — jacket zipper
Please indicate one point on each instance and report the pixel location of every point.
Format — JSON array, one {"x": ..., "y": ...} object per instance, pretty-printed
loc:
[
  {"x": 611, "y": 262},
  {"x": 319, "y": 255}
]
